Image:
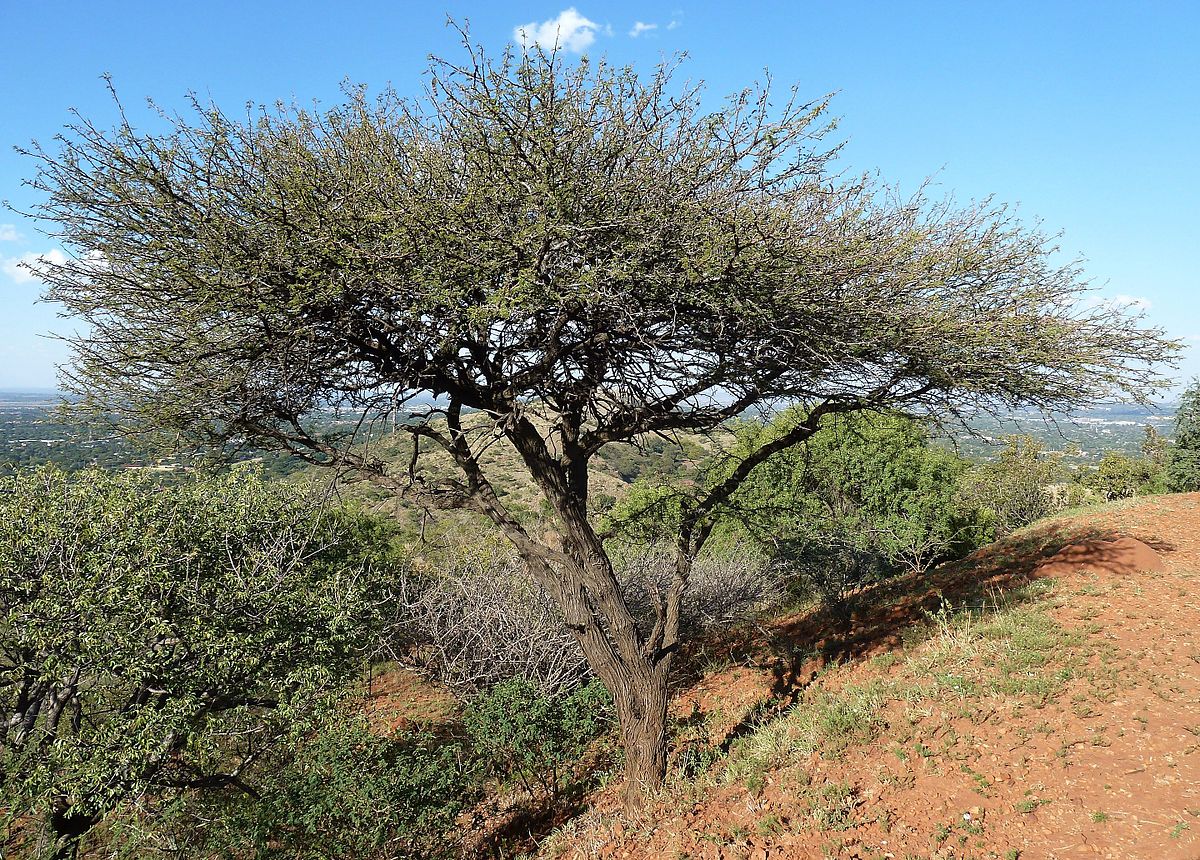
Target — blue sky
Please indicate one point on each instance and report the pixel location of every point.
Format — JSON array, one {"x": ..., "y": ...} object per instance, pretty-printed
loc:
[{"x": 1086, "y": 114}]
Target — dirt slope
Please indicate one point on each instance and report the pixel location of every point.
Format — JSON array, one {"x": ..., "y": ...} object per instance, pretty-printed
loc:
[{"x": 1039, "y": 700}]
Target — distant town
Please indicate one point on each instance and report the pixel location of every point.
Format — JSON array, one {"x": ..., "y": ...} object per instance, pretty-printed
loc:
[{"x": 33, "y": 432}]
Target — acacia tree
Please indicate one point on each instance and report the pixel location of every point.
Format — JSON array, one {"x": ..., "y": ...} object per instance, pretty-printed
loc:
[{"x": 584, "y": 256}]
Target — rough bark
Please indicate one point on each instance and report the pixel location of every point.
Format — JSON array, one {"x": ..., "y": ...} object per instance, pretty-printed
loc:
[
  {"x": 642, "y": 713},
  {"x": 634, "y": 669}
]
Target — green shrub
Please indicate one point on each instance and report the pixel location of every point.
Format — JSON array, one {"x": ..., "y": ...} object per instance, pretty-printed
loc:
[
  {"x": 519, "y": 733},
  {"x": 158, "y": 640},
  {"x": 1120, "y": 476},
  {"x": 345, "y": 793},
  {"x": 1183, "y": 459},
  {"x": 868, "y": 496},
  {"x": 1016, "y": 488}
]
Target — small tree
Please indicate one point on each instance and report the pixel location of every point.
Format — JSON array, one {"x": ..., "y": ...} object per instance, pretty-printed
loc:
[
  {"x": 1183, "y": 459},
  {"x": 1154, "y": 446},
  {"x": 873, "y": 482},
  {"x": 157, "y": 640},
  {"x": 868, "y": 496},
  {"x": 1119, "y": 476},
  {"x": 1018, "y": 486},
  {"x": 583, "y": 256}
]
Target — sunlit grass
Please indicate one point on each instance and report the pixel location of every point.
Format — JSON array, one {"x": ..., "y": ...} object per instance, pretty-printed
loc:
[{"x": 1006, "y": 646}]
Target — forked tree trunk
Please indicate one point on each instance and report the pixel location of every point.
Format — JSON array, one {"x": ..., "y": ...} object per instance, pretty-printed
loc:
[
  {"x": 635, "y": 680},
  {"x": 584, "y": 586}
]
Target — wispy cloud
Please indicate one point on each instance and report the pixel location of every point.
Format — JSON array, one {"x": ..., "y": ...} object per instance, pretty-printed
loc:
[
  {"x": 8, "y": 233},
  {"x": 1120, "y": 302},
  {"x": 639, "y": 27},
  {"x": 14, "y": 267},
  {"x": 569, "y": 30},
  {"x": 1139, "y": 302}
]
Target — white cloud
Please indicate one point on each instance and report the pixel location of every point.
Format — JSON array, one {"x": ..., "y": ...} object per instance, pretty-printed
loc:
[
  {"x": 639, "y": 28},
  {"x": 569, "y": 30},
  {"x": 8, "y": 233},
  {"x": 672, "y": 24},
  {"x": 1120, "y": 302},
  {"x": 95, "y": 261},
  {"x": 1138, "y": 302},
  {"x": 12, "y": 266}
]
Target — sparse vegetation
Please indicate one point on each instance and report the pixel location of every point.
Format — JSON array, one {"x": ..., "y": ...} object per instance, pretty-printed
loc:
[
  {"x": 1023, "y": 484},
  {"x": 471, "y": 615}
]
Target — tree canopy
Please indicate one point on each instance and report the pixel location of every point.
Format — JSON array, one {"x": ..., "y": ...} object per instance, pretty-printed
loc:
[
  {"x": 584, "y": 255},
  {"x": 1183, "y": 459}
]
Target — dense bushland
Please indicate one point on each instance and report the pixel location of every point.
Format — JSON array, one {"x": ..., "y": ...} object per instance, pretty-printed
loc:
[
  {"x": 157, "y": 639},
  {"x": 341, "y": 791}
]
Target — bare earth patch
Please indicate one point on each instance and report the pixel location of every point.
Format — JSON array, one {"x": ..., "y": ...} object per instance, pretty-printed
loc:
[
  {"x": 1125, "y": 555},
  {"x": 1038, "y": 700},
  {"x": 398, "y": 699}
]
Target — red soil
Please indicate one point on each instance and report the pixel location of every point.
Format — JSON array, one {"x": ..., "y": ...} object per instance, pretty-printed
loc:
[
  {"x": 1106, "y": 766},
  {"x": 1123, "y": 556},
  {"x": 400, "y": 699}
]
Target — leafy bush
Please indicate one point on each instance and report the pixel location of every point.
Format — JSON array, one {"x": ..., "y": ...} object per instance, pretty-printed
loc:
[
  {"x": 875, "y": 487},
  {"x": 866, "y": 497},
  {"x": 520, "y": 733},
  {"x": 1017, "y": 487},
  {"x": 1183, "y": 461},
  {"x": 876, "y": 481},
  {"x": 344, "y": 793},
  {"x": 1120, "y": 476},
  {"x": 162, "y": 639}
]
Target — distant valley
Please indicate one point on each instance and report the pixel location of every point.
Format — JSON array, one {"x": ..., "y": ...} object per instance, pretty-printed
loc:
[{"x": 31, "y": 432}]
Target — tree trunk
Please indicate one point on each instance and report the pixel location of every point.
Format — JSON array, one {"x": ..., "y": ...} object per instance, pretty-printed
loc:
[
  {"x": 68, "y": 827},
  {"x": 585, "y": 589},
  {"x": 642, "y": 713},
  {"x": 638, "y": 687}
]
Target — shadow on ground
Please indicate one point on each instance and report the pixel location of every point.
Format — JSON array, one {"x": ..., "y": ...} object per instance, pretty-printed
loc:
[{"x": 881, "y": 618}]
